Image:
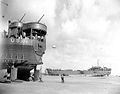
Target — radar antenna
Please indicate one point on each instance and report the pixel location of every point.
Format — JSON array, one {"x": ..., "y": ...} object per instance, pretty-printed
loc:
[
  {"x": 40, "y": 18},
  {"x": 22, "y": 17}
]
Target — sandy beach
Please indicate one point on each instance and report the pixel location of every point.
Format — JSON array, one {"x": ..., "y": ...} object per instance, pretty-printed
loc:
[{"x": 72, "y": 85}]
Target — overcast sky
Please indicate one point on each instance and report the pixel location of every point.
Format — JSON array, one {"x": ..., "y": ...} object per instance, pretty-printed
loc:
[{"x": 82, "y": 30}]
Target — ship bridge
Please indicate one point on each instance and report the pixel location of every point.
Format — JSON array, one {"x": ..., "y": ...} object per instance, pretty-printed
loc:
[{"x": 34, "y": 28}]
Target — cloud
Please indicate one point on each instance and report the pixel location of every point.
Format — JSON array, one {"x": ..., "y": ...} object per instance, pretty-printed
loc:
[{"x": 84, "y": 33}]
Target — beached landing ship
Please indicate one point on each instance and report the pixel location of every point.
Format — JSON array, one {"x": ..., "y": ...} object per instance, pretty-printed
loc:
[{"x": 23, "y": 48}]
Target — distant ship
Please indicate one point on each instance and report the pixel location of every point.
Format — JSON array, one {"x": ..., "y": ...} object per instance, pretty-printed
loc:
[
  {"x": 97, "y": 71},
  {"x": 57, "y": 72}
]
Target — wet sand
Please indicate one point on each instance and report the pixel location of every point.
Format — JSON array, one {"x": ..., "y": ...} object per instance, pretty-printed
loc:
[{"x": 72, "y": 85}]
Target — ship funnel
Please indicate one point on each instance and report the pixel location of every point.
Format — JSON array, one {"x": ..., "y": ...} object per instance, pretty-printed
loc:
[{"x": 40, "y": 18}]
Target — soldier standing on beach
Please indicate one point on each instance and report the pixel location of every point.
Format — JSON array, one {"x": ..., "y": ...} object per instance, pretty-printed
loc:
[
  {"x": 40, "y": 75},
  {"x": 62, "y": 78}
]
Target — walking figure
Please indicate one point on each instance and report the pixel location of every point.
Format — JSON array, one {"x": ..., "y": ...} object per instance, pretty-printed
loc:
[
  {"x": 62, "y": 78},
  {"x": 40, "y": 75},
  {"x": 40, "y": 79}
]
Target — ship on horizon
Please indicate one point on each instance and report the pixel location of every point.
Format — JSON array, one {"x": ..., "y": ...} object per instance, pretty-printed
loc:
[
  {"x": 97, "y": 71},
  {"x": 94, "y": 71}
]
